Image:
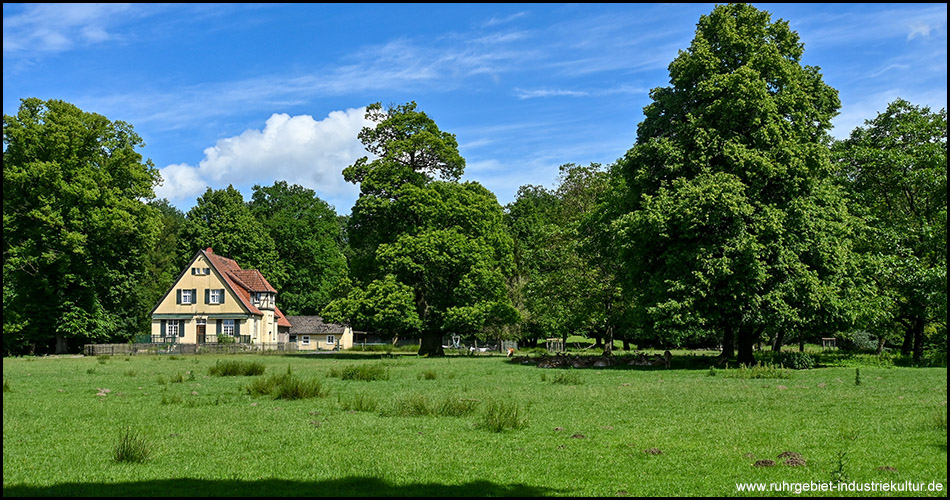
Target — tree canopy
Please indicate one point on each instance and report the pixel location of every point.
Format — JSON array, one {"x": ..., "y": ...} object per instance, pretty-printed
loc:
[
  {"x": 441, "y": 239},
  {"x": 76, "y": 228},
  {"x": 309, "y": 243},
  {"x": 729, "y": 171},
  {"x": 895, "y": 168}
]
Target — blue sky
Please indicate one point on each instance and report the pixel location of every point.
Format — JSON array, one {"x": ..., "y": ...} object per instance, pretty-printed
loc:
[{"x": 248, "y": 94}]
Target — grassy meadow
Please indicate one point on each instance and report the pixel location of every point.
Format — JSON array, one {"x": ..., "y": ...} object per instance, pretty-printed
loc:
[{"x": 366, "y": 424}]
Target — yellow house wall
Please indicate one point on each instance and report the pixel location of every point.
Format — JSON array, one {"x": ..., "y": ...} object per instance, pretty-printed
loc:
[
  {"x": 319, "y": 341},
  {"x": 198, "y": 309}
]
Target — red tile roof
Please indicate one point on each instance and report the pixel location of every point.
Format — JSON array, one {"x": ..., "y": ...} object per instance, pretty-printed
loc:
[{"x": 243, "y": 282}]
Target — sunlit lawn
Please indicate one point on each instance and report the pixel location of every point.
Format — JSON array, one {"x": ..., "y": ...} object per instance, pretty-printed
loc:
[{"x": 420, "y": 428}]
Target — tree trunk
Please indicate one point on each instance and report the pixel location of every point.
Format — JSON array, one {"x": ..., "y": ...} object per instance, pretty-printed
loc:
[
  {"x": 609, "y": 341},
  {"x": 918, "y": 339},
  {"x": 60, "y": 344},
  {"x": 728, "y": 343},
  {"x": 431, "y": 345},
  {"x": 778, "y": 341},
  {"x": 880, "y": 345},
  {"x": 908, "y": 341},
  {"x": 746, "y": 343}
]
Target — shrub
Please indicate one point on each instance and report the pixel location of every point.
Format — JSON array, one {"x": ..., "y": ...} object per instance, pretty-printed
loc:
[
  {"x": 501, "y": 415},
  {"x": 794, "y": 360},
  {"x": 859, "y": 341},
  {"x": 131, "y": 448},
  {"x": 236, "y": 368}
]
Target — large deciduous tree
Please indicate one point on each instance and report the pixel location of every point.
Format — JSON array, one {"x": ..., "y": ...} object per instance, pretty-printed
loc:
[
  {"x": 222, "y": 221},
  {"x": 440, "y": 239},
  {"x": 895, "y": 168},
  {"x": 309, "y": 243},
  {"x": 76, "y": 228},
  {"x": 735, "y": 226}
]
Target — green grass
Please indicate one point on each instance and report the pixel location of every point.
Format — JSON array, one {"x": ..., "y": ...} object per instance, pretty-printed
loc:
[
  {"x": 634, "y": 431},
  {"x": 233, "y": 368}
]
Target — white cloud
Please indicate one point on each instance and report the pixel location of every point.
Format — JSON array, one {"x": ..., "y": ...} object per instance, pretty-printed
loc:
[
  {"x": 59, "y": 27},
  {"x": 297, "y": 149}
]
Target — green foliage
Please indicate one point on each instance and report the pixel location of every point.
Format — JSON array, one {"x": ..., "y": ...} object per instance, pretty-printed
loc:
[
  {"x": 132, "y": 447},
  {"x": 428, "y": 256},
  {"x": 732, "y": 223},
  {"x": 232, "y": 368},
  {"x": 76, "y": 228},
  {"x": 895, "y": 169},
  {"x": 308, "y": 239},
  {"x": 792, "y": 359},
  {"x": 857, "y": 376},
  {"x": 838, "y": 474},
  {"x": 563, "y": 283},
  {"x": 222, "y": 221}
]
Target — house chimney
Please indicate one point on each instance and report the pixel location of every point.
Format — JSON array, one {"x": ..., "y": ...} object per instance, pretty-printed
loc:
[{"x": 209, "y": 250}]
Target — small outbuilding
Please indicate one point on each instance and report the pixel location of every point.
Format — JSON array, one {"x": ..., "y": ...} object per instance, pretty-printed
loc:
[{"x": 311, "y": 333}]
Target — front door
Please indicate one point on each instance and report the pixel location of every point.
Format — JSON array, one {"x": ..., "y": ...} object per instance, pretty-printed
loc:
[{"x": 200, "y": 327}]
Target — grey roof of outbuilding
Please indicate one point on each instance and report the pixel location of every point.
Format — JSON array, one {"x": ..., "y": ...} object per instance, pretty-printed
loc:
[{"x": 308, "y": 325}]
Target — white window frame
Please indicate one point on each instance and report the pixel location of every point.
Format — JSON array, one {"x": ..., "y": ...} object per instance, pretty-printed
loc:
[
  {"x": 331, "y": 340},
  {"x": 305, "y": 340},
  {"x": 227, "y": 328},
  {"x": 186, "y": 297},
  {"x": 171, "y": 328},
  {"x": 215, "y": 295}
]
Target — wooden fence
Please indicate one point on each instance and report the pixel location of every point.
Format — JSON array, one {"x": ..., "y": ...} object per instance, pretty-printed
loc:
[{"x": 176, "y": 348}]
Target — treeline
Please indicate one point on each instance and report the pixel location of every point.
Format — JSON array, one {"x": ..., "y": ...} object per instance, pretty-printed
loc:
[{"x": 734, "y": 220}]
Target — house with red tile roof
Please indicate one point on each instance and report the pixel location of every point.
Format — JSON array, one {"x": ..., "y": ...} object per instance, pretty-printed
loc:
[{"x": 215, "y": 300}]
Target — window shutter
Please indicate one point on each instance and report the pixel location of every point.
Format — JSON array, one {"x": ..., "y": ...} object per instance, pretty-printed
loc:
[
  {"x": 237, "y": 327},
  {"x": 194, "y": 295},
  {"x": 192, "y": 271},
  {"x": 207, "y": 295},
  {"x": 178, "y": 296},
  {"x": 217, "y": 329},
  {"x": 222, "y": 295},
  {"x": 181, "y": 327},
  {"x": 163, "y": 328}
]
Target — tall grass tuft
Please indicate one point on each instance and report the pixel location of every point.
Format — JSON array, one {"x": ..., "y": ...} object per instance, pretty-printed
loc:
[
  {"x": 6, "y": 386},
  {"x": 132, "y": 447},
  {"x": 567, "y": 378},
  {"x": 234, "y": 368},
  {"x": 358, "y": 402},
  {"x": 287, "y": 387},
  {"x": 501, "y": 415},
  {"x": 364, "y": 373},
  {"x": 752, "y": 372},
  {"x": 420, "y": 405}
]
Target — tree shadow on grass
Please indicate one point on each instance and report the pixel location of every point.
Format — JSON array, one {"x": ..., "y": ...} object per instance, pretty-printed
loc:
[{"x": 345, "y": 487}]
